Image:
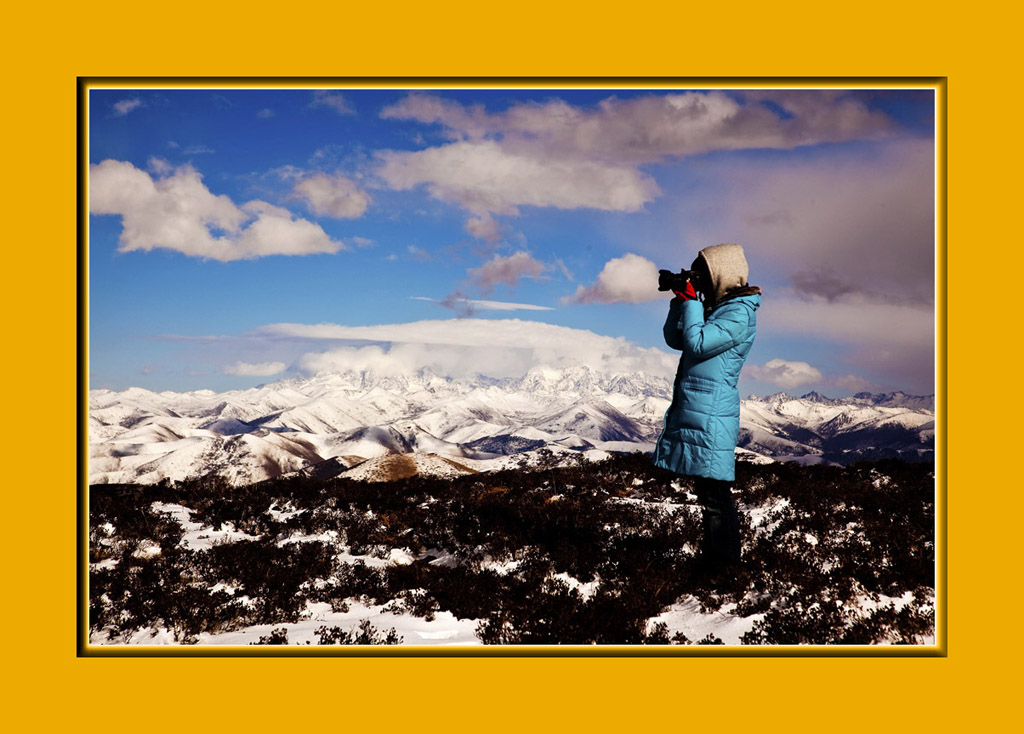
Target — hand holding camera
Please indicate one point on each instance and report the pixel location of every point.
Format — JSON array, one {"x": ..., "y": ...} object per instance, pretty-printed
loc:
[
  {"x": 687, "y": 295},
  {"x": 683, "y": 284}
]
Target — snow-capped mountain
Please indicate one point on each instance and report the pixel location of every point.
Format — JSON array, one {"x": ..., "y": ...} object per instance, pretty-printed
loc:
[
  {"x": 332, "y": 423},
  {"x": 814, "y": 428}
]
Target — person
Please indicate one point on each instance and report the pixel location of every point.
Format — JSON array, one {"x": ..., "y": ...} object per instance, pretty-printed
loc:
[{"x": 702, "y": 423}]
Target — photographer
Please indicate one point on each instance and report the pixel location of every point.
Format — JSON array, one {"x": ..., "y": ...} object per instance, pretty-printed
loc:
[{"x": 702, "y": 424}]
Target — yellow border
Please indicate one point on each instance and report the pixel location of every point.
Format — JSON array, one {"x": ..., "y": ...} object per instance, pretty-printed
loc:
[
  {"x": 52, "y": 689},
  {"x": 611, "y": 651},
  {"x": 941, "y": 370}
]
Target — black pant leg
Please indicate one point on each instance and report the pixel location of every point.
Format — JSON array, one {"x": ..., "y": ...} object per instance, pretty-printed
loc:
[{"x": 721, "y": 544}]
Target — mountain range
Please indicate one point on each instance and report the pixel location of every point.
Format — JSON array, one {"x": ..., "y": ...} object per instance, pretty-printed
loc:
[{"x": 376, "y": 426}]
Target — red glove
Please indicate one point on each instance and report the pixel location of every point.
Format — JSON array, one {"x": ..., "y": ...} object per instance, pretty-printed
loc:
[{"x": 689, "y": 294}]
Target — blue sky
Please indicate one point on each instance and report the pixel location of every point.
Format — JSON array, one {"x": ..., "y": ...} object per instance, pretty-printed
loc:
[{"x": 238, "y": 236}]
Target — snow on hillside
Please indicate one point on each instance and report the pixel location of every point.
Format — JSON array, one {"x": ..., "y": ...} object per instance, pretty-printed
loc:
[
  {"x": 401, "y": 466},
  {"x": 299, "y": 424}
]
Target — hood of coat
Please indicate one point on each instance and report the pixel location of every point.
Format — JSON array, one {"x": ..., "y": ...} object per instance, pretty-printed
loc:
[{"x": 728, "y": 268}]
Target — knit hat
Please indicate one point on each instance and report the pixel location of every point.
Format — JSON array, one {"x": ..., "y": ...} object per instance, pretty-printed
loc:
[{"x": 728, "y": 268}]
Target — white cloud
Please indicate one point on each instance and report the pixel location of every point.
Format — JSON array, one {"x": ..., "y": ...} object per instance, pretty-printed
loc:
[
  {"x": 485, "y": 177},
  {"x": 125, "y": 106},
  {"x": 261, "y": 369},
  {"x": 336, "y": 102},
  {"x": 176, "y": 211},
  {"x": 356, "y": 359},
  {"x": 648, "y": 128},
  {"x": 484, "y": 228},
  {"x": 507, "y": 270},
  {"x": 789, "y": 375},
  {"x": 159, "y": 166},
  {"x": 277, "y": 232},
  {"x": 333, "y": 196},
  {"x": 495, "y": 347},
  {"x": 198, "y": 150},
  {"x": 471, "y": 304},
  {"x": 553, "y": 154},
  {"x": 786, "y": 375},
  {"x": 627, "y": 279},
  {"x": 504, "y": 306},
  {"x": 403, "y": 359},
  {"x": 265, "y": 114},
  {"x": 429, "y": 109}
]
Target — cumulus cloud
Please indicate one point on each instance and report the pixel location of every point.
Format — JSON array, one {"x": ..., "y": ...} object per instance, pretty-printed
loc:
[
  {"x": 484, "y": 228},
  {"x": 275, "y": 231},
  {"x": 176, "y": 211},
  {"x": 159, "y": 166},
  {"x": 627, "y": 279},
  {"x": 787, "y": 375},
  {"x": 508, "y": 270},
  {"x": 261, "y": 369},
  {"x": 648, "y": 128},
  {"x": 429, "y": 109},
  {"x": 124, "y": 106},
  {"x": 332, "y": 100},
  {"x": 404, "y": 359},
  {"x": 332, "y": 196},
  {"x": 357, "y": 359},
  {"x": 494, "y": 347},
  {"x": 554, "y": 154},
  {"x": 485, "y": 177}
]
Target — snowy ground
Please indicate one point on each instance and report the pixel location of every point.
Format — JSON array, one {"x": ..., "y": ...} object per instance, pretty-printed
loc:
[
  {"x": 444, "y": 629},
  {"x": 688, "y": 616},
  {"x": 684, "y": 617}
]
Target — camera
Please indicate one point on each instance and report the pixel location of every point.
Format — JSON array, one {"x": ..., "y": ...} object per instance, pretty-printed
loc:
[{"x": 669, "y": 281}]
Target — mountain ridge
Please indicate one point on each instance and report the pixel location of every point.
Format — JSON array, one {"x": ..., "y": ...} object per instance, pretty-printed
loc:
[{"x": 480, "y": 423}]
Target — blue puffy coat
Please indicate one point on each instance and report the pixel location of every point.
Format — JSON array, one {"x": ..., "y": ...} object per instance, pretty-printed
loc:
[{"x": 703, "y": 423}]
